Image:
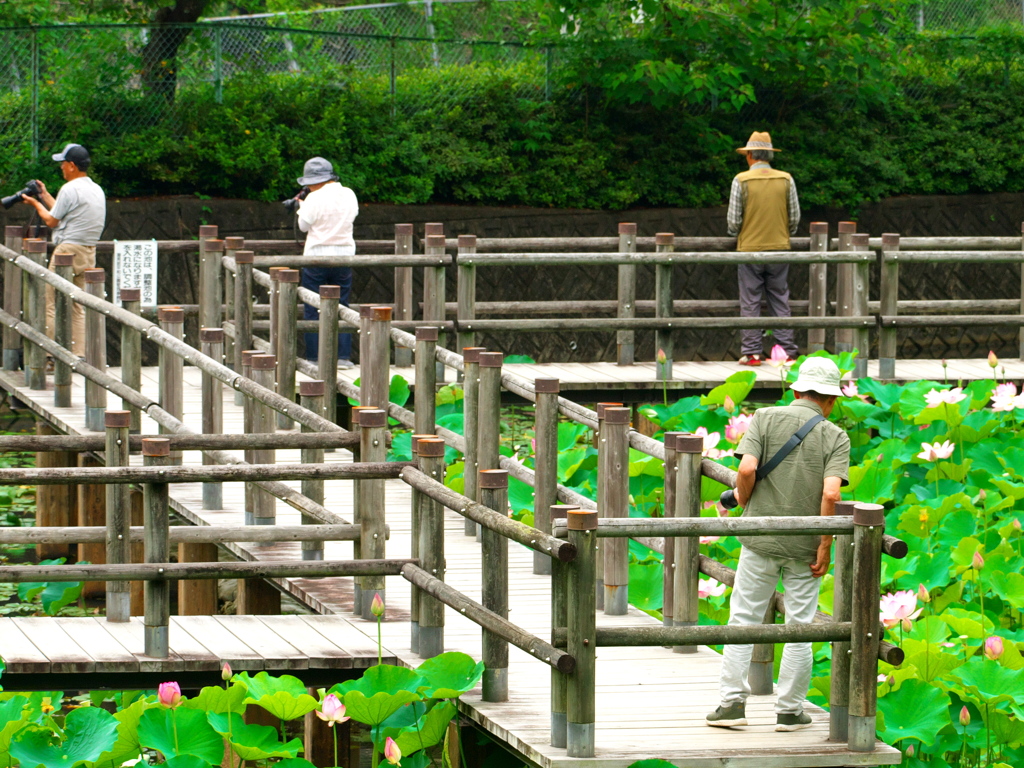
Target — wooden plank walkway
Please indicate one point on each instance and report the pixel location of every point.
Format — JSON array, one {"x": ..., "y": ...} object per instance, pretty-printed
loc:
[
  {"x": 703, "y": 376},
  {"x": 650, "y": 702}
]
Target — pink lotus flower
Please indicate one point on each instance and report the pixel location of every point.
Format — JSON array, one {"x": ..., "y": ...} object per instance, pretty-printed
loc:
[
  {"x": 169, "y": 694},
  {"x": 778, "y": 357},
  {"x": 709, "y": 539},
  {"x": 737, "y": 426},
  {"x": 850, "y": 389},
  {"x": 331, "y": 711},
  {"x": 977, "y": 562},
  {"x": 965, "y": 716},
  {"x": 710, "y": 588},
  {"x": 923, "y": 594},
  {"x": 993, "y": 647},
  {"x": 897, "y": 606},
  {"x": 391, "y": 752},
  {"x": 225, "y": 672},
  {"x": 936, "y": 451},
  {"x": 993, "y": 361},
  {"x": 1005, "y": 397},
  {"x": 377, "y": 605},
  {"x": 936, "y": 397},
  {"x": 710, "y": 441}
]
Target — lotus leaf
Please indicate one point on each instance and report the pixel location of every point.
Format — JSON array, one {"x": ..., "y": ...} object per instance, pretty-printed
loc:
[
  {"x": 379, "y": 692},
  {"x": 14, "y": 715},
  {"x": 213, "y": 698},
  {"x": 251, "y": 742},
  {"x": 645, "y": 585},
  {"x": 871, "y": 482},
  {"x": 915, "y": 711},
  {"x": 187, "y": 761},
  {"x": 1010, "y": 587},
  {"x": 127, "y": 746},
  {"x": 398, "y": 390},
  {"x": 912, "y": 400},
  {"x": 88, "y": 733},
  {"x": 449, "y": 675},
  {"x": 988, "y": 682},
  {"x": 293, "y": 762},
  {"x": 656, "y": 763},
  {"x": 736, "y": 387},
  {"x": 930, "y": 659},
  {"x": 180, "y": 732},
  {"x": 283, "y": 696},
  {"x": 428, "y": 731},
  {"x": 886, "y": 395},
  {"x": 570, "y": 433}
]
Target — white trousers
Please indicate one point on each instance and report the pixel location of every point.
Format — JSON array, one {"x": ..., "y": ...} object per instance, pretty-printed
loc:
[{"x": 756, "y": 579}]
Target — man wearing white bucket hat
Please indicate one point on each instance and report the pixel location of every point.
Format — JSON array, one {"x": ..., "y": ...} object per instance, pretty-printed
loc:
[
  {"x": 764, "y": 211},
  {"x": 794, "y": 462}
]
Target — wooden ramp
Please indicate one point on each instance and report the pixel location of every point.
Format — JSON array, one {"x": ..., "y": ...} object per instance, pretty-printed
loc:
[{"x": 650, "y": 702}]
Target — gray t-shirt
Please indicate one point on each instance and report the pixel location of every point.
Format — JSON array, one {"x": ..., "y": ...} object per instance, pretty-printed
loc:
[
  {"x": 81, "y": 208},
  {"x": 794, "y": 487}
]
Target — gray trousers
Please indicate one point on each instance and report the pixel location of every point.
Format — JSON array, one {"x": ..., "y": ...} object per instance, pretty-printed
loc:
[{"x": 770, "y": 280}]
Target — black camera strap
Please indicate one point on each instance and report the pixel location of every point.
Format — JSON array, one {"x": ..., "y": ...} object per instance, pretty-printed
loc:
[{"x": 793, "y": 442}]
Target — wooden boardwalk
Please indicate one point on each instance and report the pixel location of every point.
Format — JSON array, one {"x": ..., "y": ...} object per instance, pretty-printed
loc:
[
  {"x": 703, "y": 376},
  {"x": 650, "y": 701}
]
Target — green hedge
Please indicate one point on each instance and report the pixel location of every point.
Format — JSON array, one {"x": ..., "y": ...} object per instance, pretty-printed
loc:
[{"x": 573, "y": 151}]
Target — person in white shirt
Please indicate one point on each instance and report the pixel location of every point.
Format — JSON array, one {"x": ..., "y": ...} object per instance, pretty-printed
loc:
[{"x": 326, "y": 216}]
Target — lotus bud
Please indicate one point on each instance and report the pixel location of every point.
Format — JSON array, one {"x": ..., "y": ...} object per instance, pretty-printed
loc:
[
  {"x": 662, "y": 357},
  {"x": 1016, "y": 524},
  {"x": 377, "y": 606},
  {"x": 169, "y": 694},
  {"x": 331, "y": 711},
  {"x": 923, "y": 594},
  {"x": 977, "y": 562},
  {"x": 391, "y": 752},
  {"x": 729, "y": 405},
  {"x": 907, "y": 624},
  {"x": 993, "y": 647},
  {"x": 910, "y": 751},
  {"x": 225, "y": 672},
  {"x": 890, "y": 681},
  {"x": 993, "y": 361},
  {"x": 965, "y": 716}
]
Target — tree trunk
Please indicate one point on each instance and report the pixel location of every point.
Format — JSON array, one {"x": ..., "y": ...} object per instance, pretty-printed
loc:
[{"x": 160, "y": 54}]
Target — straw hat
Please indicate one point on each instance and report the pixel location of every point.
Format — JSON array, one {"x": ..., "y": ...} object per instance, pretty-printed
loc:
[{"x": 759, "y": 140}]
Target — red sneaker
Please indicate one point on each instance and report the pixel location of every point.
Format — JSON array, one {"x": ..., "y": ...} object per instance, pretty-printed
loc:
[{"x": 751, "y": 360}]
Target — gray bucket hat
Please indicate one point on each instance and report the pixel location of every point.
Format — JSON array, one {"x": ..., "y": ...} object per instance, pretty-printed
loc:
[
  {"x": 317, "y": 170},
  {"x": 818, "y": 374}
]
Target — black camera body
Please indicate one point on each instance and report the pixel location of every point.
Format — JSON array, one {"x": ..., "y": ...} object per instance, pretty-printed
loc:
[
  {"x": 292, "y": 203},
  {"x": 728, "y": 499},
  {"x": 31, "y": 190}
]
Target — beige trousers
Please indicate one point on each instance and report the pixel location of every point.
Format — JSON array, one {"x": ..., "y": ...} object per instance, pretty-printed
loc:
[{"x": 85, "y": 257}]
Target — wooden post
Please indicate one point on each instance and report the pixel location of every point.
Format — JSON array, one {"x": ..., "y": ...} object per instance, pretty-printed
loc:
[
  {"x": 91, "y": 501},
  {"x": 249, "y": 455},
  {"x": 434, "y": 290},
  {"x": 327, "y": 353},
  {"x": 686, "y": 608},
  {"x": 195, "y": 597},
  {"x": 842, "y": 610},
  {"x": 287, "y": 333},
  {"x": 431, "y": 549},
  {"x": 264, "y": 510},
  {"x": 62, "y": 334},
  {"x": 559, "y": 608},
  {"x": 494, "y": 552},
  {"x": 375, "y": 369},
  {"x": 12, "y": 299},
  {"x": 760, "y": 675},
  {"x": 137, "y": 589},
  {"x": 602, "y": 501},
  {"x": 35, "y": 316},
  {"x": 627, "y": 294},
  {"x": 817, "y": 289},
  {"x": 210, "y": 288},
  {"x": 470, "y": 426},
  {"x": 581, "y": 624},
  {"x": 844, "y": 287},
  {"x": 466, "y": 288},
  {"x": 95, "y": 352},
  {"x": 243, "y": 311},
  {"x": 424, "y": 405},
  {"x": 372, "y": 448},
  {"x": 232, "y": 245},
  {"x": 131, "y": 355},
  {"x": 211, "y": 342},
  {"x": 119, "y": 515},
  {"x": 156, "y": 452},
  {"x": 615, "y": 441},
  {"x": 859, "y": 304},
  {"x": 414, "y": 551},
  {"x": 545, "y": 464},
  {"x": 664, "y": 242},
  {"x": 889, "y": 295},
  {"x": 171, "y": 367},
  {"x": 311, "y": 394},
  {"x": 403, "y": 289},
  {"x": 275, "y": 306},
  {"x": 668, "y": 501},
  {"x": 869, "y": 527},
  {"x": 488, "y": 426},
  {"x": 54, "y": 503}
]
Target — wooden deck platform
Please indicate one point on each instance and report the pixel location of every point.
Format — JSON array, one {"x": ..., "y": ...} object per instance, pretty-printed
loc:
[
  {"x": 581, "y": 378},
  {"x": 650, "y": 702}
]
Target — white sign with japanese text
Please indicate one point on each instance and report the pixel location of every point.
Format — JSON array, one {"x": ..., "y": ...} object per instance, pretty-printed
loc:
[{"x": 135, "y": 267}]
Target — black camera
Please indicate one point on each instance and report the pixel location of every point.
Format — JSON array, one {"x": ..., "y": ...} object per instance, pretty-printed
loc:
[
  {"x": 728, "y": 499},
  {"x": 31, "y": 190},
  {"x": 292, "y": 203}
]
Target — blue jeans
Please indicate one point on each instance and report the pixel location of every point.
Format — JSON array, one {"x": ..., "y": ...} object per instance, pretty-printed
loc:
[{"x": 313, "y": 278}]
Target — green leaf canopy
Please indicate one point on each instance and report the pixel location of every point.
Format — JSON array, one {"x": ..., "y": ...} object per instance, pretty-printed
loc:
[{"x": 88, "y": 732}]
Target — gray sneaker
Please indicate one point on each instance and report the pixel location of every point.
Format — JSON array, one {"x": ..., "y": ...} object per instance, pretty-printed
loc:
[
  {"x": 727, "y": 717},
  {"x": 344, "y": 362},
  {"x": 788, "y": 722}
]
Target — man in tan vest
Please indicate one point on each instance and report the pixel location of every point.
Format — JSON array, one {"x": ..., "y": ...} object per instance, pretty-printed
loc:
[{"x": 764, "y": 211}]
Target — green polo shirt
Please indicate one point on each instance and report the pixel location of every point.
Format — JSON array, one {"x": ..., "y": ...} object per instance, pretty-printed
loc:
[{"x": 794, "y": 487}]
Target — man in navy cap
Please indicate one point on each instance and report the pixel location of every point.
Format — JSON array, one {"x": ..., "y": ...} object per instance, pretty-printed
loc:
[
  {"x": 77, "y": 217},
  {"x": 326, "y": 216}
]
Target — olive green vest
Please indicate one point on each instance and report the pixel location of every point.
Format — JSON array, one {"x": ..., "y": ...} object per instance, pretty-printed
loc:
[{"x": 765, "y": 210}]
